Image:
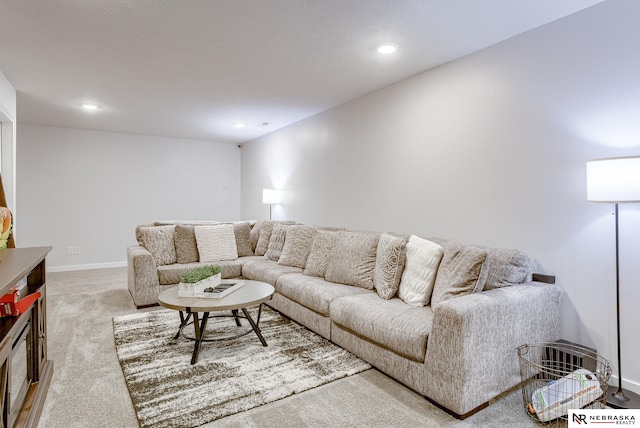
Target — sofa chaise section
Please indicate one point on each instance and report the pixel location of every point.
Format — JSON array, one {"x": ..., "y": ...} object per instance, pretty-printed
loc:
[{"x": 470, "y": 353}]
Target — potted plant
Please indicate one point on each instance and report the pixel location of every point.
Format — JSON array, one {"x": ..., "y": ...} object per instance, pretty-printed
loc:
[{"x": 194, "y": 281}]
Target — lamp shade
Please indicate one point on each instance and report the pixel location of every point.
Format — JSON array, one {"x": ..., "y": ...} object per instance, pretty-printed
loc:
[
  {"x": 614, "y": 180},
  {"x": 271, "y": 196}
]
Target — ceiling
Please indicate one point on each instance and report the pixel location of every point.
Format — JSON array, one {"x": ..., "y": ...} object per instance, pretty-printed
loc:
[{"x": 193, "y": 68}]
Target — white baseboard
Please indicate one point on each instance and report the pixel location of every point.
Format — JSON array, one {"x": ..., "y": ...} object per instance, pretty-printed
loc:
[
  {"x": 626, "y": 384},
  {"x": 86, "y": 267}
]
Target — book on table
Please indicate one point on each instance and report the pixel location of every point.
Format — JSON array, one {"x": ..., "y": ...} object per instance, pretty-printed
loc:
[{"x": 221, "y": 290}]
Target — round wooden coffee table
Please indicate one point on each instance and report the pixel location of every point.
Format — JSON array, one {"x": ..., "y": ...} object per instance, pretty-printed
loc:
[{"x": 250, "y": 294}]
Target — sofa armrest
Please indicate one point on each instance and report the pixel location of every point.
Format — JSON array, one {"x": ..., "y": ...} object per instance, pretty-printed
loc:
[
  {"x": 142, "y": 276},
  {"x": 471, "y": 353}
]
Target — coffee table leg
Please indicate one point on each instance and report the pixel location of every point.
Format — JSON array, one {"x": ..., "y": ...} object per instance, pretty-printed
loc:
[
  {"x": 235, "y": 315},
  {"x": 183, "y": 322},
  {"x": 254, "y": 326},
  {"x": 199, "y": 331}
]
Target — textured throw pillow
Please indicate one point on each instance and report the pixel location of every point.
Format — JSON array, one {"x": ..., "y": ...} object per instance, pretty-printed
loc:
[
  {"x": 421, "y": 267},
  {"x": 216, "y": 243},
  {"x": 297, "y": 246},
  {"x": 186, "y": 246},
  {"x": 353, "y": 258},
  {"x": 390, "y": 259},
  {"x": 254, "y": 235},
  {"x": 159, "y": 241},
  {"x": 263, "y": 241},
  {"x": 276, "y": 242},
  {"x": 463, "y": 271},
  {"x": 139, "y": 233},
  {"x": 243, "y": 238},
  {"x": 507, "y": 267},
  {"x": 319, "y": 254}
]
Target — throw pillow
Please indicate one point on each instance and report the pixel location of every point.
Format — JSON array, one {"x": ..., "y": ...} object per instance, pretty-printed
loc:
[
  {"x": 216, "y": 243},
  {"x": 263, "y": 241},
  {"x": 255, "y": 233},
  {"x": 242, "y": 230},
  {"x": 506, "y": 267},
  {"x": 463, "y": 271},
  {"x": 421, "y": 266},
  {"x": 186, "y": 246},
  {"x": 297, "y": 246},
  {"x": 159, "y": 241},
  {"x": 353, "y": 259},
  {"x": 265, "y": 227},
  {"x": 276, "y": 242},
  {"x": 390, "y": 260},
  {"x": 319, "y": 254}
]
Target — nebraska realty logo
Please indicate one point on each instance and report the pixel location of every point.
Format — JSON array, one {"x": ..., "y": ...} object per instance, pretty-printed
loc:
[{"x": 582, "y": 417}]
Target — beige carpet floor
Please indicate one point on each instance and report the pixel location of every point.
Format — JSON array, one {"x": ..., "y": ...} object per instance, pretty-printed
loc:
[{"x": 88, "y": 388}]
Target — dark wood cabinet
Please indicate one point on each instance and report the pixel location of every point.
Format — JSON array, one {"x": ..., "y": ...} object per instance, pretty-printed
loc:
[{"x": 25, "y": 370}]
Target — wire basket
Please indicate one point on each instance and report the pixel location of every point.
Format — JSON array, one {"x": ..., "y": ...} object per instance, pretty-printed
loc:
[{"x": 560, "y": 376}]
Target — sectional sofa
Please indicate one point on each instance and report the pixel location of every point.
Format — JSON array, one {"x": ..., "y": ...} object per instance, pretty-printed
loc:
[{"x": 440, "y": 316}]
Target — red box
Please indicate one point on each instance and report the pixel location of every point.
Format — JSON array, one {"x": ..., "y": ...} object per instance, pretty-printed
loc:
[{"x": 10, "y": 305}]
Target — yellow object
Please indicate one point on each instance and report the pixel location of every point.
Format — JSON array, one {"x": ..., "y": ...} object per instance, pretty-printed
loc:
[{"x": 7, "y": 224}]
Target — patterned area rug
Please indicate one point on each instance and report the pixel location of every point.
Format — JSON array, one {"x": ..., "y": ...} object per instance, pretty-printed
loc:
[{"x": 231, "y": 376}]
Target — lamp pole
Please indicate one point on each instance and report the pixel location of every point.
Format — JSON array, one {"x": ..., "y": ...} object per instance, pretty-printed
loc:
[{"x": 620, "y": 399}]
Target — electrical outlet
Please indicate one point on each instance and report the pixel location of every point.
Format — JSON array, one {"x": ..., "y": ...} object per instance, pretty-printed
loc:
[
  {"x": 69, "y": 251},
  {"x": 76, "y": 250}
]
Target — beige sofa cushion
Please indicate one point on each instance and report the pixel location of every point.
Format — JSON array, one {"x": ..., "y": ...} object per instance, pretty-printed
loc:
[
  {"x": 319, "y": 254},
  {"x": 276, "y": 242},
  {"x": 216, "y": 243},
  {"x": 313, "y": 292},
  {"x": 390, "y": 260},
  {"x": 170, "y": 274},
  {"x": 260, "y": 241},
  {"x": 242, "y": 231},
  {"x": 159, "y": 241},
  {"x": 463, "y": 270},
  {"x": 265, "y": 270},
  {"x": 186, "y": 247},
  {"x": 353, "y": 258},
  {"x": 421, "y": 267},
  {"x": 393, "y": 324},
  {"x": 506, "y": 267},
  {"x": 297, "y": 246}
]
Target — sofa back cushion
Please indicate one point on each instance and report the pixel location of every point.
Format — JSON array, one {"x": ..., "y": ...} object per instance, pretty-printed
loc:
[
  {"x": 216, "y": 243},
  {"x": 353, "y": 259},
  {"x": 159, "y": 241},
  {"x": 507, "y": 267},
  {"x": 297, "y": 246},
  {"x": 261, "y": 234},
  {"x": 463, "y": 270},
  {"x": 242, "y": 231},
  {"x": 421, "y": 267},
  {"x": 276, "y": 242},
  {"x": 186, "y": 246},
  {"x": 390, "y": 260},
  {"x": 321, "y": 248}
]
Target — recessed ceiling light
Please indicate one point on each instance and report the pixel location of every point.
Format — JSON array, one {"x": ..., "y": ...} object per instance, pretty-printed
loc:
[
  {"x": 387, "y": 48},
  {"x": 239, "y": 125},
  {"x": 89, "y": 106}
]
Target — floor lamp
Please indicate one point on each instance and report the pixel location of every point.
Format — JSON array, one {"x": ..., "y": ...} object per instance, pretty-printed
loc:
[
  {"x": 616, "y": 180},
  {"x": 271, "y": 197}
]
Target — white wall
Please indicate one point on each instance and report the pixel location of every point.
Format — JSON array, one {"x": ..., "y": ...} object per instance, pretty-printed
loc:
[
  {"x": 89, "y": 189},
  {"x": 490, "y": 149},
  {"x": 8, "y": 141}
]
